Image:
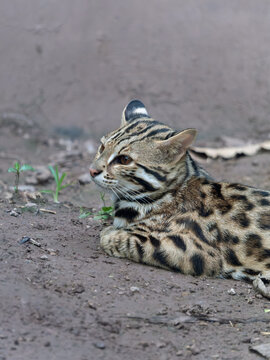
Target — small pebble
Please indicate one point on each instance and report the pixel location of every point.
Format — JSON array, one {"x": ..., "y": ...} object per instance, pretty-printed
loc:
[
  {"x": 134, "y": 289},
  {"x": 52, "y": 251},
  {"x": 44, "y": 257},
  {"x": 100, "y": 345},
  {"x": 14, "y": 213},
  {"x": 232, "y": 291},
  {"x": 24, "y": 239},
  {"x": 30, "y": 204}
]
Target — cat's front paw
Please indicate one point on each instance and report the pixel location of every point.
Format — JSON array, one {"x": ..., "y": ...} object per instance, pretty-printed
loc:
[
  {"x": 106, "y": 231},
  {"x": 109, "y": 241}
]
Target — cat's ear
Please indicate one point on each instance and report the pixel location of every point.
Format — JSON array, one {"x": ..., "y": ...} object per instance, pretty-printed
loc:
[
  {"x": 135, "y": 109},
  {"x": 176, "y": 146}
]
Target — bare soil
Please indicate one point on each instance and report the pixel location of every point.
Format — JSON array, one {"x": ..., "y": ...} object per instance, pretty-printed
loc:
[{"x": 66, "y": 299}]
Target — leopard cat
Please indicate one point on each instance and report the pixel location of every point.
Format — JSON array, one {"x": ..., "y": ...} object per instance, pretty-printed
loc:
[{"x": 171, "y": 213}]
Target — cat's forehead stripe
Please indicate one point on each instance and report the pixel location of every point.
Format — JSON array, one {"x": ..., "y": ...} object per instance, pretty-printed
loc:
[{"x": 112, "y": 157}]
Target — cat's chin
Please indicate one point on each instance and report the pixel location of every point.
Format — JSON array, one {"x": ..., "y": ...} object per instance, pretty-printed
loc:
[{"x": 102, "y": 188}]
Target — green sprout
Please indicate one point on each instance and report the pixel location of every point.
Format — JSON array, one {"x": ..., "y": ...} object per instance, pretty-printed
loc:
[
  {"x": 58, "y": 181},
  {"x": 104, "y": 213},
  {"x": 17, "y": 169}
]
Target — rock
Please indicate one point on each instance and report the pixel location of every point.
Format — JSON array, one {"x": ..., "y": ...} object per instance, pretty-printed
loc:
[
  {"x": 24, "y": 239},
  {"x": 33, "y": 196},
  {"x": 134, "y": 289},
  {"x": 76, "y": 289},
  {"x": 100, "y": 345},
  {"x": 52, "y": 252},
  {"x": 34, "y": 242},
  {"x": 14, "y": 212},
  {"x": 84, "y": 179},
  {"x": 44, "y": 257},
  {"x": 41, "y": 175},
  {"x": 91, "y": 305},
  {"x": 30, "y": 205},
  {"x": 232, "y": 291},
  {"x": 262, "y": 349},
  {"x": 161, "y": 345}
]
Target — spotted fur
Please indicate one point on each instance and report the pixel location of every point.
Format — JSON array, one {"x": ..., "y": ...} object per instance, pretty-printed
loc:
[{"x": 170, "y": 213}]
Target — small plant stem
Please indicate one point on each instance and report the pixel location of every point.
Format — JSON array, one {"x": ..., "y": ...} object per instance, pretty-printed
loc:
[
  {"x": 102, "y": 195},
  {"x": 17, "y": 177},
  {"x": 55, "y": 195}
]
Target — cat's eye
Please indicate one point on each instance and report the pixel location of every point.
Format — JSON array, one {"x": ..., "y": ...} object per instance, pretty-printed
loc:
[{"x": 123, "y": 159}]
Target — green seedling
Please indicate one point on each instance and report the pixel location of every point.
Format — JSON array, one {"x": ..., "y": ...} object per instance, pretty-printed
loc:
[
  {"x": 104, "y": 213},
  {"x": 18, "y": 169},
  {"x": 58, "y": 182}
]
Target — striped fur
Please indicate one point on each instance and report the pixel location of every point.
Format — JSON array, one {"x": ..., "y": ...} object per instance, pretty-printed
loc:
[{"x": 169, "y": 212}]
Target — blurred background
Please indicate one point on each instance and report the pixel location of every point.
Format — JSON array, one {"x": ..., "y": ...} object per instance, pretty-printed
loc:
[{"x": 71, "y": 66}]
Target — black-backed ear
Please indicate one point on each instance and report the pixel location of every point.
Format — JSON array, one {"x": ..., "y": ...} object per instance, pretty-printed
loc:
[
  {"x": 134, "y": 110},
  {"x": 176, "y": 146}
]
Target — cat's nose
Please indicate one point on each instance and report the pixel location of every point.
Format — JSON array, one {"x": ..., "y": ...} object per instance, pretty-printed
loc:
[{"x": 94, "y": 172}]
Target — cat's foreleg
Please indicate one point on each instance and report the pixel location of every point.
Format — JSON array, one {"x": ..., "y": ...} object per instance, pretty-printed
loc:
[{"x": 121, "y": 243}]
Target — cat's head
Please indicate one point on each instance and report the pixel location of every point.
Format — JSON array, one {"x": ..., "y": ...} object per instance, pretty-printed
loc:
[{"x": 140, "y": 156}]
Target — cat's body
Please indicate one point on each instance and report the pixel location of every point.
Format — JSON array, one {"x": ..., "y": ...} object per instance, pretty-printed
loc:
[{"x": 170, "y": 213}]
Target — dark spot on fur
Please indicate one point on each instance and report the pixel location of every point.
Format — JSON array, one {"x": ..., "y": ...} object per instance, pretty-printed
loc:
[
  {"x": 248, "y": 206},
  {"x": 140, "y": 229},
  {"x": 224, "y": 207},
  {"x": 239, "y": 197},
  {"x": 197, "y": 262},
  {"x": 229, "y": 238},
  {"x": 261, "y": 193},
  {"x": 198, "y": 246},
  {"x": 127, "y": 213},
  {"x": 227, "y": 275},
  {"x": 210, "y": 253},
  {"x": 203, "y": 195},
  {"x": 231, "y": 258},
  {"x": 161, "y": 258},
  {"x": 267, "y": 266},
  {"x": 205, "y": 182},
  {"x": 251, "y": 272},
  {"x": 241, "y": 219},
  {"x": 154, "y": 241},
  {"x": 264, "y": 221},
  {"x": 216, "y": 190},
  {"x": 140, "y": 250},
  {"x": 236, "y": 187},
  {"x": 178, "y": 241},
  {"x": 253, "y": 241},
  {"x": 216, "y": 233},
  {"x": 265, "y": 254},
  {"x": 194, "y": 227},
  {"x": 204, "y": 212},
  {"x": 264, "y": 202},
  {"x": 141, "y": 237},
  {"x": 128, "y": 245}
]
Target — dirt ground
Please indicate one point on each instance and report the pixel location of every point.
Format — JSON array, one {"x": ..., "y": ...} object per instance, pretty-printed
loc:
[{"x": 65, "y": 299}]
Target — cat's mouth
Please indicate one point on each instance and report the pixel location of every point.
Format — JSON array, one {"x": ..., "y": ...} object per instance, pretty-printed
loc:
[{"x": 105, "y": 184}]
